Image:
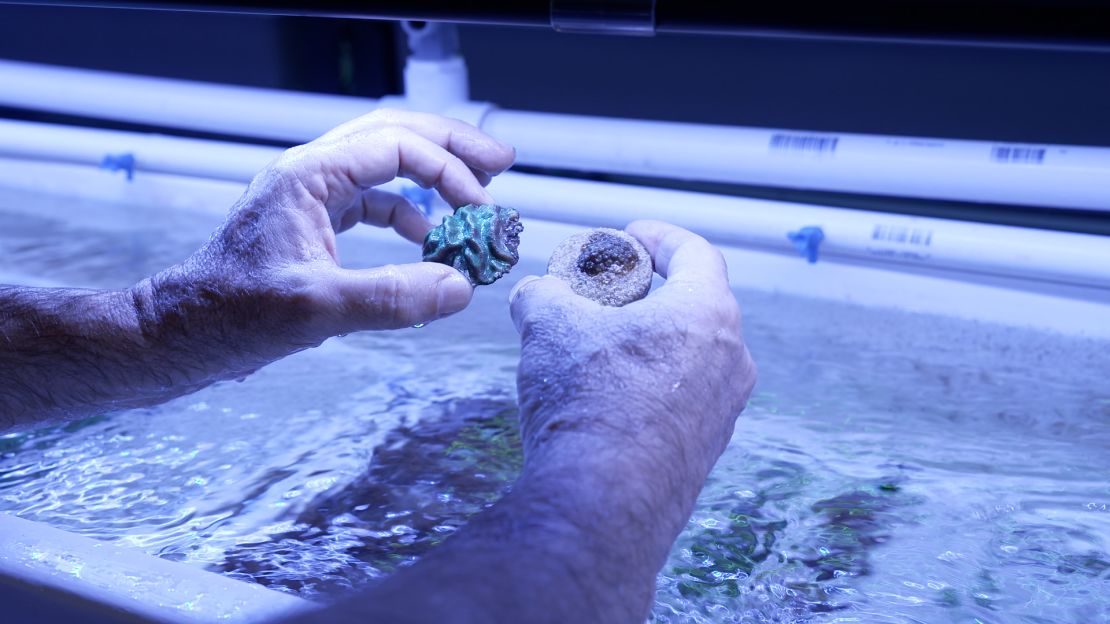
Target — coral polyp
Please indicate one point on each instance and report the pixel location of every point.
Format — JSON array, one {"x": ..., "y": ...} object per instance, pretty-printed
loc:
[
  {"x": 603, "y": 264},
  {"x": 481, "y": 241}
]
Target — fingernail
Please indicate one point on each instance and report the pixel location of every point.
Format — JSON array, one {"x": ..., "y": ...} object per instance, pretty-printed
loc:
[
  {"x": 452, "y": 294},
  {"x": 524, "y": 280}
]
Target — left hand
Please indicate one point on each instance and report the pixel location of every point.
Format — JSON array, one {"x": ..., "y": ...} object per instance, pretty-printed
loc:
[{"x": 269, "y": 282}]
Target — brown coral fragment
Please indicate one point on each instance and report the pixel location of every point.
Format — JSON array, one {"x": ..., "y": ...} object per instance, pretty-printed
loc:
[{"x": 606, "y": 265}]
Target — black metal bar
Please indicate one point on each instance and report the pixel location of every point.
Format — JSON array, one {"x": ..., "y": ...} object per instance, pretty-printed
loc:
[
  {"x": 1068, "y": 23},
  {"x": 499, "y": 13},
  {"x": 979, "y": 21}
]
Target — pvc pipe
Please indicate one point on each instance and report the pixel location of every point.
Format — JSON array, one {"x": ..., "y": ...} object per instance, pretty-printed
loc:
[
  {"x": 436, "y": 85},
  {"x": 1060, "y": 257},
  {"x": 223, "y": 109},
  {"x": 1020, "y": 174},
  {"x": 1068, "y": 310},
  {"x": 150, "y": 152},
  {"x": 435, "y": 73},
  {"x": 1064, "y": 257}
]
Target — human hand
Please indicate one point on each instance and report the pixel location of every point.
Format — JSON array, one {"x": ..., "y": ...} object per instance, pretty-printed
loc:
[
  {"x": 644, "y": 395},
  {"x": 623, "y": 413},
  {"x": 269, "y": 282}
]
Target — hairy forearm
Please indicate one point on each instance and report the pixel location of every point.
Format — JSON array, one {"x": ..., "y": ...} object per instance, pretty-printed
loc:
[
  {"x": 71, "y": 353},
  {"x": 580, "y": 538},
  {"x": 68, "y": 353}
]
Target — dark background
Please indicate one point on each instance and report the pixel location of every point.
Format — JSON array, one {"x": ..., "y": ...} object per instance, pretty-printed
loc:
[
  {"x": 943, "y": 91},
  {"x": 996, "y": 94}
]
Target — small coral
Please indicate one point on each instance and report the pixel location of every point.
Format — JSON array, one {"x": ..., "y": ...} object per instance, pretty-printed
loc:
[
  {"x": 605, "y": 265},
  {"x": 480, "y": 241}
]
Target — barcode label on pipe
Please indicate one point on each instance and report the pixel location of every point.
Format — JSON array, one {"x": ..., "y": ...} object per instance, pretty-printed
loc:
[
  {"x": 901, "y": 242},
  {"x": 900, "y": 234},
  {"x": 1019, "y": 155},
  {"x": 804, "y": 143}
]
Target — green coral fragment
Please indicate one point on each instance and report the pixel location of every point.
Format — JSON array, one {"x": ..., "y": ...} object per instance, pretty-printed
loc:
[{"x": 481, "y": 241}]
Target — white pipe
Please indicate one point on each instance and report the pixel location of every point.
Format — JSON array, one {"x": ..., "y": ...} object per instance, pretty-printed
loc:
[
  {"x": 1069, "y": 310},
  {"x": 208, "y": 107},
  {"x": 152, "y": 152},
  {"x": 1020, "y": 174},
  {"x": 936, "y": 243}
]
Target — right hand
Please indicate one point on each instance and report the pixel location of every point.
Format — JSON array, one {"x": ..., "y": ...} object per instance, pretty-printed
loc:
[
  {"x": 623, "y": 413},
  {"x": 651, "y": 388}
]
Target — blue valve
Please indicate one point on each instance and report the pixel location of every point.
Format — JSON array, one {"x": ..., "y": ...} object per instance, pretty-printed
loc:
[
  {"x": 421, "y": 197},
  {"x": 807, "y": 240},
  {"x": 120, "y": 162}
]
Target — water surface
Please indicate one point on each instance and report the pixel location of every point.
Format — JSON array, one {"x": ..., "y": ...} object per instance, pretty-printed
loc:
[{"x": 891, "y": 467}]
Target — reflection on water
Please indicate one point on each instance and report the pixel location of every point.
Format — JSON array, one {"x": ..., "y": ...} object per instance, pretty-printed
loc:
[
  {"x": 890, "y": 468},
  {"x": 422, "y": 484}
]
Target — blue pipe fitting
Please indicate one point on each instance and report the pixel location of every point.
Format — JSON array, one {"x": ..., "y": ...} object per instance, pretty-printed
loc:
[
  {"x": 120, "y": 162},
  {"x": 807, "y": 241},
  {"x": 422, "y": 198}
]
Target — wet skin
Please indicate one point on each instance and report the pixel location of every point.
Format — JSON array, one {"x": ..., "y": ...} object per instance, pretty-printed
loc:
[
  {"x": 623, "y": 410},
  {"x": 267, "y": 284}
]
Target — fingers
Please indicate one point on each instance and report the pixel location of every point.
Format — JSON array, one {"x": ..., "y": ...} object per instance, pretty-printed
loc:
[
  {"x": 534, "y": 296},
  {"x": 384, "y": 209},
  {"x": 477, "y": 149},
  {"x": 392, "y": 297},
  {"x": 431, "y": 166},
  {"x": 680, "y": 255},
  {"x": 483, "y": 178},
  {"x": 359, "y": 162},
  {"x": 455, "y": 158},
  {"x": 697, "y": 276}
]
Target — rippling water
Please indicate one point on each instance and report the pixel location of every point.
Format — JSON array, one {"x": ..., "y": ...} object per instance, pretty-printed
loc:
[{"x": 890, "y": 468}]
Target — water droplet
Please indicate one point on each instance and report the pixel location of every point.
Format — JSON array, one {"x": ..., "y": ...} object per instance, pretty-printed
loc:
[{"x": 419, "y": 325}]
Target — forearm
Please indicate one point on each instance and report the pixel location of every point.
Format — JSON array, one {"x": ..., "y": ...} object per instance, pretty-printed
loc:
[
  {"x": 70, "y": 353},
  {"x": 580, "y": 538},
  {"x": 67, "y": 353}
]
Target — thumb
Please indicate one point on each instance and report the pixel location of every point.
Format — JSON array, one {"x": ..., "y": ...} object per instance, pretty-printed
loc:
[
  {"x": 535, "y": 295},
  {"x": 403, "y": 295}
]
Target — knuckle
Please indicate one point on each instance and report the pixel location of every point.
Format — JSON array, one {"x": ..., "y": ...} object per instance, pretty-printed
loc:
[
  {"x": 384, "y": 114},
  {"x": 726, "y": 312},
  {"x": 717, "y": 256},
  {"x": 289, "y": 159},
  {"x": 719, "y": 311},
  {"x": 296, "y": 169},
  {"x": 391, "y": 297},
  {"x": 394, "y": 134}
]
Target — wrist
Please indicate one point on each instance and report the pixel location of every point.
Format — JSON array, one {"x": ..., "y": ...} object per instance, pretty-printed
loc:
[
  {"x": 213, "y": 320},
  {"x": 186, "y": 325},
  {"x": 631, "y": 479},
  {"x": 639, "y": 432},
  {"x": 166, "y": 330}
]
